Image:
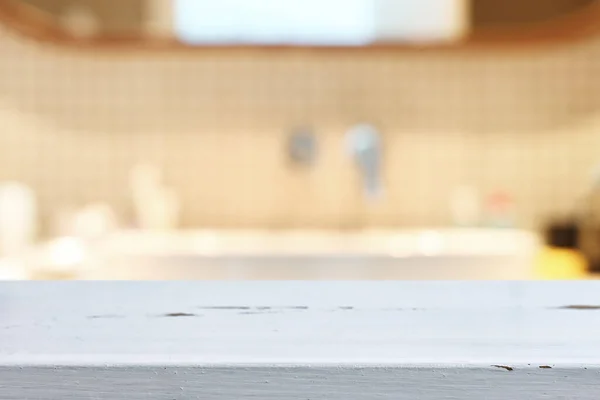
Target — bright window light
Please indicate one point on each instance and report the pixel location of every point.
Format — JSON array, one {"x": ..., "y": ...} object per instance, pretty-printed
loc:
[
  {"x": 317, "y": 22},
  {"x": 275, "y": 21}
]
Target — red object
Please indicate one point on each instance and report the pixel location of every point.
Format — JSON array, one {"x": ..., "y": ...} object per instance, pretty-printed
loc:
[{"x": 500, "y": 202}]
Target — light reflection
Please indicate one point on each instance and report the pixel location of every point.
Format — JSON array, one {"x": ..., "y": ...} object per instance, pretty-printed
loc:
[
  {"x": 66, "y": 252},
  {"x": 430, "y": 243}
]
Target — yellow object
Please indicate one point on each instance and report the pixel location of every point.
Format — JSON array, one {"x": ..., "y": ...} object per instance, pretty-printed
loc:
[{"x": 555, "y": 263}]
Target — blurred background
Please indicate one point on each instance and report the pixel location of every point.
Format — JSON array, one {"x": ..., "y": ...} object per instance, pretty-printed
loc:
[{"x": 329, "y": 139}]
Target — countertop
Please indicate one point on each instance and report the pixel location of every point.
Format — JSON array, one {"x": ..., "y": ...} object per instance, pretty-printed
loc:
[
  {"x": 299, "y": 340},
  {"x": 307, "y": 255}
]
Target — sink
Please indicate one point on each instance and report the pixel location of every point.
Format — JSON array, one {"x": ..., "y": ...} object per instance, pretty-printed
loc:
[{"x": 421, "y": 254}]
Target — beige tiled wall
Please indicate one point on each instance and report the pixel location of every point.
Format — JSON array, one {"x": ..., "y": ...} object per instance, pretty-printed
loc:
[{"x": 527, "y": 121}]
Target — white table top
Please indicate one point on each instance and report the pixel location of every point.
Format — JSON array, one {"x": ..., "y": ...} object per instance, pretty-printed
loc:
[{"x": 300, "y": 323}]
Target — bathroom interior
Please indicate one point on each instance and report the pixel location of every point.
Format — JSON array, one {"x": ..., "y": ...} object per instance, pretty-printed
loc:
[{"x": 312, "y": 140}]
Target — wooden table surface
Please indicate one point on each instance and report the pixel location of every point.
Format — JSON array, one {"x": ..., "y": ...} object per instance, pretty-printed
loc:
[{"x": 300, "y": 340}]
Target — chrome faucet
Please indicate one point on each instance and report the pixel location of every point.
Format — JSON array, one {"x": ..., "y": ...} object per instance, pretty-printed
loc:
[{"x": 364, "y": 145}]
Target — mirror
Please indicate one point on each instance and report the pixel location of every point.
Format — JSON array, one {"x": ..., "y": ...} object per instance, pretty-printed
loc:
[{"x": 198, "y": 23}]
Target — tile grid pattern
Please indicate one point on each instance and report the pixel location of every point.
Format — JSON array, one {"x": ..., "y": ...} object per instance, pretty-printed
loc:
[{"x": 527, "y": 122}]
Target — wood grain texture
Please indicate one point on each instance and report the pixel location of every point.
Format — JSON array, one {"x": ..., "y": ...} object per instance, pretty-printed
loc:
[
  {"x": 300, "y": 340},
  {"x": 577, "y": 25}
]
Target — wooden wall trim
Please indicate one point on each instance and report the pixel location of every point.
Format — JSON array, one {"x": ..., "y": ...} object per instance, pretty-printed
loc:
[{"x": 578, "y": 26}]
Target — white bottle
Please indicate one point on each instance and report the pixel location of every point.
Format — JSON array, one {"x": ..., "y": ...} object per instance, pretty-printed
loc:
[
  {"x": 156, "y": 206},
  {"x": 18, "y": 218}
]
